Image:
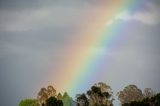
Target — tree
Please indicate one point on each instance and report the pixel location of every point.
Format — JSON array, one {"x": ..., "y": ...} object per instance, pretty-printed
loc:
[
  {"x": 130, "y": 93},
  {"x": 45, "y": 93},
  {"x": 51, "y": 91},
  {"x": 82, "y": 100},
  {"x": 67, "y": 100},
  {"x": 42, "y": 96},
  {"x": 152, "y": 101},
  {"x": 59, "y": 96},
  {"x": 29, "y": 102},
  {"x": 148, "y": 93},
  {"x": 59, "y": 103},
  {"x": 104, "y": 87},
  {"x": 99, "y": 95},
  {"x": 52, "y": 101}
]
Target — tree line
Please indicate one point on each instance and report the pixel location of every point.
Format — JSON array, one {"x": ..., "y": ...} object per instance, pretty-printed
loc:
[{"x": 100, "y": 94}]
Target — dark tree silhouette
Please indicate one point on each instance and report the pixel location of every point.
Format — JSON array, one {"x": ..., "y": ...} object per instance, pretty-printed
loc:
[
  {"x": 82, "y": 100},
  {"x": 150, "y": 101},
  {"x": 52, "y": 101}
]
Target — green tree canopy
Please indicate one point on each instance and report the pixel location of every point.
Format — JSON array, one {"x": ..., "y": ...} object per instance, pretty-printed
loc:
[
  {"x": 29, "y": 102},
  {"x": 67, "y": 100},
  {"x": 59, "y": 96}
]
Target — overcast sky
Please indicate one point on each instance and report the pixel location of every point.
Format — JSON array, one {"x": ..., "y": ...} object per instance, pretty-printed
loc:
[{"x": 35, "y": 35}]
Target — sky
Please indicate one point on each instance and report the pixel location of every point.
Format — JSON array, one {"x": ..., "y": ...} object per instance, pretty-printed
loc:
[{"x": 42, "y": 42}]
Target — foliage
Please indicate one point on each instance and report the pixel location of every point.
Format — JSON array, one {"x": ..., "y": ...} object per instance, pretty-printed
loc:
[
  {"x": 82, "y": 100},
  {"x": 52, "y": 101},
  {"x": 51, "y": 91},
  {"x": 67, "y": 100},
  {"x": 29, "y": 102},
  {"x": 45, "y": 93},
  {"x": 148, "y": 92},
  {"x": 152, "y": 101},
  {"x": 59, "y": 96},
  {"x": 42, "y": 96},
  {"x": 99, "y": 95},
  {"x": 130, "y": 93}
]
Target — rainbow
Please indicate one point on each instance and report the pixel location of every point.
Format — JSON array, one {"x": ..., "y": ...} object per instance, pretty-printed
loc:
[{"x": 96, "y": 35}]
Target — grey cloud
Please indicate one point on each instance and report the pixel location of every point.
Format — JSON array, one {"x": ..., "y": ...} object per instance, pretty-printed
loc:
[
  {"x": 23, "y": 60},
  {"x": 25, "y": 15},
  {"x": 147, "y": 14},
  {"x": 21, "y": 15},
  {"x": 40, "y": 18},
  {"x": 20, "y": 4},
  {"x": 32, "y": 4}
]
